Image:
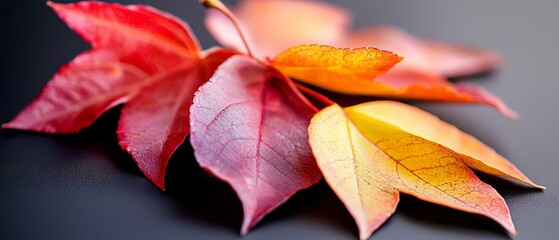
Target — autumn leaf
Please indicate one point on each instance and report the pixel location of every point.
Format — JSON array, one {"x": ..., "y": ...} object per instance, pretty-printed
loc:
[
  {"x": 272, "y": 26},
  {"x": 249, "y": 129},
  {"x": 142, "y": 57},
  {"x": 420, "y": 75},
  {"x": 368, "y": 161},
  {"x": 474, "y": 153},
  {"x": 427, "y": 56},
  {"x": 250, "y": 122},
  {"x": 155, "y": 122},
  {"x": 335, "y": 69}
]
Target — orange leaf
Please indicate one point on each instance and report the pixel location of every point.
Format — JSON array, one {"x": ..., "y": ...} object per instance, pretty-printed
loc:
[
  {"x": 359, "y": 72},
  {"x": 368, "y": 162},
  {"x": 336, "y": 69},
  {"x": 420, "y": 76}
]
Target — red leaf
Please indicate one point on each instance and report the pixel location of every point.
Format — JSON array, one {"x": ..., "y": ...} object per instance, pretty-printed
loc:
[
  {"x": 141, "y": 56},
  {"x": 249, "y": 128},
  {"x": 138, "y": 33},
  {"x": 155, "y": 123},
  {"x": 92, "y": 83}
]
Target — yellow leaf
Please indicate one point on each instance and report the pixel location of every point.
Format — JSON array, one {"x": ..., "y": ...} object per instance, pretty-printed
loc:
[
  {"x": 368, "y": 162},
  {"x": 423, "y": 124}
]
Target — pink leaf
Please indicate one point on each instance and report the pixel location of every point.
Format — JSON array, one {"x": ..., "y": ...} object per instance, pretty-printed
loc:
[
  {"x": 273, "y": 26},
  {"x": 444, "y": 59},
  {"x": 249, "y": 128}
]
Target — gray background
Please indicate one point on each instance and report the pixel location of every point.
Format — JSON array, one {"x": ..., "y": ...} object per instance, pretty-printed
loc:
[{"x": 83, "y": 186}]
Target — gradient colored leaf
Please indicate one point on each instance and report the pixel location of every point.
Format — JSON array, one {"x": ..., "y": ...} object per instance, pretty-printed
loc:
[
  {"x": 368, "y": 162},
  {"x": 249, "y": 121},
  {"x": 142, "y": 57},
  {"x": 335, "y": 69},
  {"x": 415, "y": 121},
  {"x": 270, "y": 31},
  {"x": 361, "y": 71},
  {"x": 433, "y": 57},
  {"x": 248, "y": 128},
  {"x": 420, "y": 76}
]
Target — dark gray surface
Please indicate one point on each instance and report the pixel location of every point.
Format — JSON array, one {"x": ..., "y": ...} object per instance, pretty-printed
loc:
[{"x": 84, "y": 187}]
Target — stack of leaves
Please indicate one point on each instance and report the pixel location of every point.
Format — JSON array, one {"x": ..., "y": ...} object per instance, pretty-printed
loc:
[{"x": 252, "y": 126}]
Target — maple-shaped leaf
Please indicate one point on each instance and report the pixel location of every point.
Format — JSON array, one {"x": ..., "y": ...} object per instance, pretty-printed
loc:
[
  {"x": 142, "y": 57},
  {"x": 368, "y": 161},
  {"x": 420, "y": 75},
  {"x": 249, "y": 129}
]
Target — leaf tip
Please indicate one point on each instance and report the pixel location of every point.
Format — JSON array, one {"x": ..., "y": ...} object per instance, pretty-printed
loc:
[
  {"x": 5, "y": 125},
  {"x": 18, "y": 125},
  {"x": 508, "y": 112},
  {"x": 247, "y": 225},
  {"x": 12, "y": 126},
  {"x": 529, "y": 182},
  {"x": 160, "y": 184},
  {"x": 157, "y": 179},
  {"x": 540, "y": 187},
  {"x": 52, "y": 4},
  {"x": 250, "y": 217},
  {"x": 244, "y": 231},
  {"x": 505, "y": 222},
  {"x": 365, "y": 233},
  {"x": 512, "y": 229},
  {"x": 56, "y": 7},
  {"x": 480, "y": 95}
]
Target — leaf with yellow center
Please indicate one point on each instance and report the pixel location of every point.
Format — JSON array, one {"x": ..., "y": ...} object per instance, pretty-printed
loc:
[
  {"x": 423, "y": 124},
  {"x": 368, "y": 162}
]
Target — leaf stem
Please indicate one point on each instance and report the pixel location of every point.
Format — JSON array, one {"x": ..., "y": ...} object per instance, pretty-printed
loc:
[
  {"x": 219, "y": 6},
  {"x": 317, "y": 96}
]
